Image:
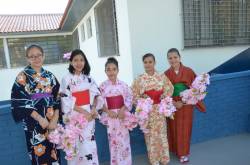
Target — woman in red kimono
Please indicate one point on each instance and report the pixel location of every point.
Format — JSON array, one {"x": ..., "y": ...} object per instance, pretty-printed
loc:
[{"x": 180, "y": 129}]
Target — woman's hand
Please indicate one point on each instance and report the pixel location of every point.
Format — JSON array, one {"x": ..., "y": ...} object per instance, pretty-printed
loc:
[
  {"x": 121, "y": 113},
  {"x": 52, "y": 124},
  {"x": 94, "y": 113},
  {"x": 112, "y": 114},
  {"x": 54, "y": 120},
  {"x": 43, "y": 122},
  {"x": 88, "y": 116},
  {"x": 178, "y": 104}
]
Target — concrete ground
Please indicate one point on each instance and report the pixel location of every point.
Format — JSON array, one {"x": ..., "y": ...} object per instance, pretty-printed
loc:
[{"x": 233, "y": 150}]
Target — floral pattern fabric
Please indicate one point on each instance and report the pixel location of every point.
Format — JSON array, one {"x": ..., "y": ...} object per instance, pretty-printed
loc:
[
  {"x": 156, "y": 138},
  {"x": 118, "y": 135},
  {"x": 38, "y": 92},
  {"x": 87, "y": 148}
]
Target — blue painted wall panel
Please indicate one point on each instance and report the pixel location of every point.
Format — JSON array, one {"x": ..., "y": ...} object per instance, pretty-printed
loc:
[{"x": 228, "y": 113}]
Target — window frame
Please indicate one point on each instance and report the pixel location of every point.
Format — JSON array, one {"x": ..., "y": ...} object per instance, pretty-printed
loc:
[
  {"x": 89, "y": 27},
  {"x": 207, "y": 29},
  {"x": 115, "y": 28}
]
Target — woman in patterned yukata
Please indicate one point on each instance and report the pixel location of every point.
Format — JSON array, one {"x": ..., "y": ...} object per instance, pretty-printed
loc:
[
  {"x": 118, "y": 99},
  {"x": 78, "y": 84},
  {"x": 156, "y": 86},
  {"x": 34, "y": 102}
]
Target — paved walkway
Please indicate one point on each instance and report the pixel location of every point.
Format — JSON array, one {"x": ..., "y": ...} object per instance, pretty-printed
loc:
[{"x": 233, "y": 150}]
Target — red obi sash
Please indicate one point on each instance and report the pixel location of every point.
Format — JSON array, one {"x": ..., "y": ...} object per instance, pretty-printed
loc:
[
  {"x": 82, "y": 97},
  {"x": 115, "y": 102},
  {"x": 154, "y": 95}
]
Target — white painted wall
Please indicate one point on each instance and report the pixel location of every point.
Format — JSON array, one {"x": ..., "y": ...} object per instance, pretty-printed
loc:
[
  {"x": 90, "y": 48},
  {"x": 156, "y": 26},
  {"x": 7, "y": 77},
  {"x": 143, "y": 26}
]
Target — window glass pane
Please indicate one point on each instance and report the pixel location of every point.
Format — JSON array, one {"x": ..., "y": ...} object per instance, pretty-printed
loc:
[
  {"x": 83, "y": 32},
  {"x": 75, "y": 40},
  {"x": 107, "y": 28},
  {"x": 89, "y": 27},
  {"x": 54, "y": 47},
  {"x": 2, "y": 56},
  {"x": 216, "y": 22}
]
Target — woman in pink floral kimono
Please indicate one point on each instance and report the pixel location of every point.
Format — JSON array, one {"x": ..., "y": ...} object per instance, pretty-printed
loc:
[
  {"x": 156, "y": 86},
  {"x": 79, "y": 95},
  {"x": 118, "y": 103}
]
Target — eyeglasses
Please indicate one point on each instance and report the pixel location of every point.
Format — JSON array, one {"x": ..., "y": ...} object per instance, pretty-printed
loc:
[{"x": 33, "y": 57}]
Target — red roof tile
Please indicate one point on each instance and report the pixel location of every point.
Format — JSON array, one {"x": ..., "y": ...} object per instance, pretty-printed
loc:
[{"x": 29, "y": 22}]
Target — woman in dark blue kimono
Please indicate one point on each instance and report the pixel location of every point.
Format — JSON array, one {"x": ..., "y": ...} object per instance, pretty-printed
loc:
[{"x": 35, "y": 103}]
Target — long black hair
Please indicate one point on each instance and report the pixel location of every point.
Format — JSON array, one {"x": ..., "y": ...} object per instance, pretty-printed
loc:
[{"x": 86, "y": 69}]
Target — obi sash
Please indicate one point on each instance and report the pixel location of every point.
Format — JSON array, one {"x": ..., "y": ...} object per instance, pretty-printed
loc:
[
  {"x": 40, "y": 95},
  {"x": 154, "y": 95},
  {"x": 82, "y": 97},
  {"x": 115, "y": 102},
  {"x": 178, "y": 88}
]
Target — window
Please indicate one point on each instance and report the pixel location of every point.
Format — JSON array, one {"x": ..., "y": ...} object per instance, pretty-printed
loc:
[
  {"x": 89, "y": 27},
  {"x": 2, "y": 56},
  {"x": 75, "y": 40},
  {"x": 107, "y": 28},
  {"x": 54, "y": 47},
  {"x": 216, "y": 22},
  {"x": 83, "y": 37}
]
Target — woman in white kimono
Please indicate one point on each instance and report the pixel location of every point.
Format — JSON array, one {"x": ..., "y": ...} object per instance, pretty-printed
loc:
[{"x": 80, "y": 94}]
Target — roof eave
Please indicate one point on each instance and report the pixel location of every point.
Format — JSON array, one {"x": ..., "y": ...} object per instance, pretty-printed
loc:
[
  {"x": 47, "y": 32},
  {"x": 75, "y": 11}
]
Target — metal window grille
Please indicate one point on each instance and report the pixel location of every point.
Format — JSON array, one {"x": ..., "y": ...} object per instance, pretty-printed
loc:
[
  {"x": 89, "y": 27},
  {"x": 216, "y": 22},
  {"x": 54, "y": 48},
  {"x": 2, "y": 56},
  {"x": 75, "y": 40},
  {"x": 83, "y": 37},
  {"x": 106, "y": 23}
]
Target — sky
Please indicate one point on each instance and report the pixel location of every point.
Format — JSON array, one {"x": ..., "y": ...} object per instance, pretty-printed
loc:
[{"x": 32, "y": 6}]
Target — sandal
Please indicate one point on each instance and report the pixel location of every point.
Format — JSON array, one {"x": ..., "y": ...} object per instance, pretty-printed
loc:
[{"x": 184, "y": 159}]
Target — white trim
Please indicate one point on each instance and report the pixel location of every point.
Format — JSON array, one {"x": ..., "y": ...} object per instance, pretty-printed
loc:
[
  {"x": 6, "y": 53},
  {"x": 37, "y": 35}
]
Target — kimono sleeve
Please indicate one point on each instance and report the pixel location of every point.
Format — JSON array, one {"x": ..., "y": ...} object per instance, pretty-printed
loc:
[
  {"x": 102, "y": 91},
  {"x": 67, "y": 100},
  {"x": 55, "y": 94},
  {"x": 21, "y": 103},
  {"x": 128, "y": 97},
  {"x": 136, "y": 91},
  {"x": 168, "y": 88},
  {"x": 96, "y": 94}
]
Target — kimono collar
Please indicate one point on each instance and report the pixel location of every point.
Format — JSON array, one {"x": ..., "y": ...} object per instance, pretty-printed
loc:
[
  {"x": 80, "y": 75},
  {"x": 28, "y": 69},
  {"x": 155, "y": 73},
  {"x": 180, "y": 68},
  {"x": 111, "y": 83}
]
